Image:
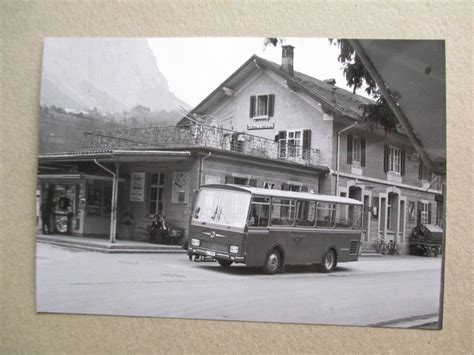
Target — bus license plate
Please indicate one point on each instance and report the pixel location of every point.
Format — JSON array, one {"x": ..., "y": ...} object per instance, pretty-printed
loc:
[{"x": 210, "y": 253}]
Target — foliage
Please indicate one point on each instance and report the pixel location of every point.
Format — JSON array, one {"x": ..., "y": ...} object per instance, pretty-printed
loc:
[{"x": 356, "y": 76}]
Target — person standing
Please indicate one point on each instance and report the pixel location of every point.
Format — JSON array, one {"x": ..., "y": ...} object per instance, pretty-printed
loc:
[{"x": 46, "y": 217}]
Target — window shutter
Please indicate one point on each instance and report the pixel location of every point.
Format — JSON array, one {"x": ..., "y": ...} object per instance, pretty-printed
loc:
[
  {"x": 362, "y": 152},
  {"x": 271, "y": 105},
  {"x": 304, "y": 188},
  {"x": 306, "y": 144},
  {"x": 418, "y": 213},
  {"x": 386, "y": 153},
  {"x": 252, "y": 106},
  {"x": 420, "y": 170},
  {"x": 285, "y": 187},
  {"x": 253, "y": 182},
  {"x": 430, "y": 176},
  {"x": 402, "y": 162},
  {"x": 229, "y": 179},
  {"x": 429, "y": 213},
  {"x": 349, "y": 148},
  {"x": 282, "y": 135}
]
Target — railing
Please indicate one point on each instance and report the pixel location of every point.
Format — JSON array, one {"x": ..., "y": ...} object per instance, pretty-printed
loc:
[{"x": 199, "y": 136}]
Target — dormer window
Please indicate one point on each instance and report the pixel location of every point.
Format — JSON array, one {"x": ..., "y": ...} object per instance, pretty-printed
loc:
[{"x": 262, "y": 106}]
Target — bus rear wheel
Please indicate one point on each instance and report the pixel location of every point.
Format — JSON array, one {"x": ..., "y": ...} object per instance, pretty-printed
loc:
[
  {"x": 224, "y": 262},
  {"x": 272, "y": 263},
  {"x": 328, "y": 262}
]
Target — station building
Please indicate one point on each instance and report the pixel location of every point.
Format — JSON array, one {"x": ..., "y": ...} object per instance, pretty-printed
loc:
[{"x": 267, "y": 126}]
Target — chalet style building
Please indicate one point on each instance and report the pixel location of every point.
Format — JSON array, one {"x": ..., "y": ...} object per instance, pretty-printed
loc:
[{"x": 267, "y": 126}]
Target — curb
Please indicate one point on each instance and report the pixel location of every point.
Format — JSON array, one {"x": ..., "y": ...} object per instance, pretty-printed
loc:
[{"x": 114, "y": 249}]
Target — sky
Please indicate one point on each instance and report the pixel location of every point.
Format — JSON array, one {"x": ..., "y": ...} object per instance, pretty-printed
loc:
[{"x": 194, "y": 67}]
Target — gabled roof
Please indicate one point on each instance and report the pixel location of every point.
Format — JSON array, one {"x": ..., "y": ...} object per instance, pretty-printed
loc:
[{"x": 332, "y": 98}]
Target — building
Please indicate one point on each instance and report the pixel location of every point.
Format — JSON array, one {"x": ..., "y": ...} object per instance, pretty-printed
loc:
[{"x": 269, "y": 126}]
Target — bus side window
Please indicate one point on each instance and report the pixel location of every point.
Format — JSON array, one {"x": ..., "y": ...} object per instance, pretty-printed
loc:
[
  {"x": 283, "y": 212},
  {"x": 325, "y": 214},
  {"x": 305, "y": 213},
  {"x": 344, "y": 214},
  {"x": 259, "y": 212}
]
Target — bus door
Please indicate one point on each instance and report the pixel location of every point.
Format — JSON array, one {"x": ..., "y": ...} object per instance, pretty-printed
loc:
[
  {"x": 304, "y": 234},
  {"x": 284, "y": 233},
  {"x": 258, "y": 240}
]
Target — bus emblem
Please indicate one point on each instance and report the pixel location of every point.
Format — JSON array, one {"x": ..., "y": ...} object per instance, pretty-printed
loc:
[{"x": 212, "y": 234}]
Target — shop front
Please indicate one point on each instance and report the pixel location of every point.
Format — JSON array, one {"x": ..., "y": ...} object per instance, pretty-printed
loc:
[{"x": 76, "y": 204}]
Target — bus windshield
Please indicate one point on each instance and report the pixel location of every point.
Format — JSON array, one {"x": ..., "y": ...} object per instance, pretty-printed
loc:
[{"x": 225, "y": 207}]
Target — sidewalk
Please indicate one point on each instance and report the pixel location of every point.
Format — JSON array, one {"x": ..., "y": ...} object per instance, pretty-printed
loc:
[{"x": 103, "y": 245}]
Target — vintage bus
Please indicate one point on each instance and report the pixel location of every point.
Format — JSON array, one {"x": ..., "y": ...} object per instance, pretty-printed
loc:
[{"x": 274, "y": 228}]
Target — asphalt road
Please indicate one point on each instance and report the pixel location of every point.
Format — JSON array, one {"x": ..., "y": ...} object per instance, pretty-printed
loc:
[{"x": 402, "y": 291}]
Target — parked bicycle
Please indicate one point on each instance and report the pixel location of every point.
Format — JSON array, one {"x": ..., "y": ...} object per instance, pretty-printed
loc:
[
  {"x": 381, "y": 247},
  {"x": 393, "y": 248}
]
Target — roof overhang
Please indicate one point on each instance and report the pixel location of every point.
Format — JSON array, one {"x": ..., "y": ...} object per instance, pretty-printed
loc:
[
  {"x": 416, "y": 70},
  {"x": 115, "y": 155}
]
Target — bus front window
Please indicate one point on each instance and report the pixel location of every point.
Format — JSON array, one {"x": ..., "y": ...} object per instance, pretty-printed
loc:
[{"x": 225, "y": 207}]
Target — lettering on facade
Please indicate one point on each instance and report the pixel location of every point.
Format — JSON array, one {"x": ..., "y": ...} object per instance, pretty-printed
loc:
[
  {"x": 260, "y": 125},
  {"x": 137, "y": 187}
]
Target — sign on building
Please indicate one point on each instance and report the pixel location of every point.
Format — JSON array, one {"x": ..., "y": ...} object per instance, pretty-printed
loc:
[{"x": 137, "y": 187}]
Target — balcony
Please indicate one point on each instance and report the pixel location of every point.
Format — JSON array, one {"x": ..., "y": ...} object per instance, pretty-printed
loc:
[{"x": 199, "y": 136}]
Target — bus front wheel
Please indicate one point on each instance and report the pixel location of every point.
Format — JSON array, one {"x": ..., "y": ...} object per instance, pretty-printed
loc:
[
  {"x": 328, "y": 262},
  {"x": 224, "y": 262},
  {"x": 273, "y": 263}
]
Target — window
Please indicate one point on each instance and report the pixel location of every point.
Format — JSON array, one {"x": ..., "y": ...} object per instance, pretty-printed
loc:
[
  {"x": 294, "y": 144},
  {"x": 262, "y": 106},
  {"x": 325, "y": 214},
  {"x": 394, "y": 160},
  {"x": 305, "y": 215},
  {"x": 240, "y": 180},
  {"x": 269, "y": 185},
  {"x": 157, "y": 187},
  {"x": 259, "y": 212},
  {"x": 424, "y": 213},
  {"x": 283, "y": 211},
  {"x": 355, "y": 150},
  {"x": 423, "y": 172}
]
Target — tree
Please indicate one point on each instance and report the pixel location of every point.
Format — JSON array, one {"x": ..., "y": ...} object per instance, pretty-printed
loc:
[{"x": 356, "y": 76}]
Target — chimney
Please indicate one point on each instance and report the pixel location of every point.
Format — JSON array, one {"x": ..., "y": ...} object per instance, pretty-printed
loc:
[
  {"x": 287, "y": 59},
  {"x": 331, "y": 81}
]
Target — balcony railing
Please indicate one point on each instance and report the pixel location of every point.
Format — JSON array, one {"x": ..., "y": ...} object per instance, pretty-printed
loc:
[{"x": 196, "y": 136}]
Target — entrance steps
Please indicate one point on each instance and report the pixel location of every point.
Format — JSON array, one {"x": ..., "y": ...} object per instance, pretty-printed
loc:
[
  {"x": 368, "y": 250},
  {"x": 104, "y": 246}
]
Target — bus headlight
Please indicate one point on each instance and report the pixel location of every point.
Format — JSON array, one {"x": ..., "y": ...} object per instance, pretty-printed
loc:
[
  {"x": 195, "y": 242},
  {"x": 234, "y": 249}
]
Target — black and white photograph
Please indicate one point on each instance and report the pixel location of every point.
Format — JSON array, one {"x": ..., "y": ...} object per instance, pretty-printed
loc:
[{"x": 259, "y": 179}]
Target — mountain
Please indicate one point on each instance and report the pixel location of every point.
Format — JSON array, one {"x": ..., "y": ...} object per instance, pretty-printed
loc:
[{"x": 109, "y": 74}]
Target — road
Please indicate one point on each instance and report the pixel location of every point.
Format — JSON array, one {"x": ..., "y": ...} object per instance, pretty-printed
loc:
[{"x": 386, "y": 291}]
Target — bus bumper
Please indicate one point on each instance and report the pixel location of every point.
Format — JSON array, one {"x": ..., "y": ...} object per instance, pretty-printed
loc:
[{"x": 216, "y": 254}]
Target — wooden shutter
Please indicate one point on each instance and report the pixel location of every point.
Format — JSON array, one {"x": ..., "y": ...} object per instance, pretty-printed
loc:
[
  {"x": 253, "y": 182},
  {"x": 304, "y": 188},
  {"x": 285, "y": 187},
  {"x": 362, "y": 152},
  {"x": 386, "y": 154},
  {"x": 429, "y": 213},
  {"x": 349, "y": 148},
  {"x": 252, "y": 106},
  {"x": 418, "y": 213},
  {"x": 229, "y": 179},
  {"x": 306, "y": 144},
  {"x": 281, "y": 135},
  {"x": 420, "y": 170},
  {"x": 271, "y": 105},
  {"x": 402, "y": 162}
]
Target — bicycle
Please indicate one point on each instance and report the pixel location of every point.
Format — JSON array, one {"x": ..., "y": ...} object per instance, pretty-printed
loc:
[
  {"x": 381, "y": 247},
  {"x": 393, "y": 248}
]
